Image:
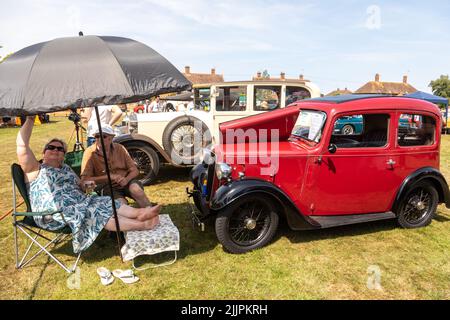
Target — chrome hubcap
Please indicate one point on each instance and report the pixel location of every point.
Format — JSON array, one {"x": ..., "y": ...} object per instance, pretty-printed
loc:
[
  {"x": 184, "y": 138},
  {"x": 420, "y": 205},
  {"x": 188, "y": 141},
  {"x": 250, "y": 224}
]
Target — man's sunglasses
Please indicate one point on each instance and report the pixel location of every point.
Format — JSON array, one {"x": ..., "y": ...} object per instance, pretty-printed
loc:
[
  {"x": 51, "y": 147},
  {"x": 104, "y": 136}
]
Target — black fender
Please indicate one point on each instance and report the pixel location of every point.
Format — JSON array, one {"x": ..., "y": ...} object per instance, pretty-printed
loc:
[
  {"x": 140, "y": 137},
  {"x": 196, "y": 172},
  {"x": 229, "y": 193},
  {"x": 428, "y": 173}
]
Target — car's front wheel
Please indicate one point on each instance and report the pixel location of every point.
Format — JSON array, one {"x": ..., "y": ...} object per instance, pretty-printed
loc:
[
  {"x": 418, "y": 207},
  {"x": 248, "y": 223}
]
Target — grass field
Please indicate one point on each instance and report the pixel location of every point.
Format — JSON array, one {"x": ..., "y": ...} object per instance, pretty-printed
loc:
[{"x": 326, "y": 264}]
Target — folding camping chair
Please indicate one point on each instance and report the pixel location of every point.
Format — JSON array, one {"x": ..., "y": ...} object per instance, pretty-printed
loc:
[
  {"x": 28, "y": 227},
  {"x": 74, "y": 159}
]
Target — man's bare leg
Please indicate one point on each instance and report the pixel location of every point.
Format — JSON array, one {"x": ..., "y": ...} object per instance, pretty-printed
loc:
[{"x": 138, "y": 194}]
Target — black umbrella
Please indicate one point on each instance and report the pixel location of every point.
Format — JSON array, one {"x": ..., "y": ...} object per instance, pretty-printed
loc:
[
  {"x": 81, "y": 72},
  {"x": 68, "y": 73}
]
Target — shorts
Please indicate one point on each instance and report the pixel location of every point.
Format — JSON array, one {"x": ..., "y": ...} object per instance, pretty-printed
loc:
[{"x": 118, "y": 192}]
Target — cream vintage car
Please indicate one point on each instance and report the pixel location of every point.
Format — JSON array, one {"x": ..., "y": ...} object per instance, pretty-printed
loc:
[{"x": 179, "y": 137}]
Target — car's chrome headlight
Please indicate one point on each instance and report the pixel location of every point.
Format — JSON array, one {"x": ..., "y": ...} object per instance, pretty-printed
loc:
[{"x": 223, "y": 171}]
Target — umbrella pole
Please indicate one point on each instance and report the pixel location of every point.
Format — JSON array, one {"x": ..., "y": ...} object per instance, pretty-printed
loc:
[{"x": 105, "y": 156}]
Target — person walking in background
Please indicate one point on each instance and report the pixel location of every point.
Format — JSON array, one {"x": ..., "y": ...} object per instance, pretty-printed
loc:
[
  {"x": 109, "y": 115},
  {"x": 146, "y": 106},
  {"x": 155, "y": 106}
]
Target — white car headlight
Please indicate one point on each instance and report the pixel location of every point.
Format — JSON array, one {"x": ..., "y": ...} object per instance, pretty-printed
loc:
[{"x": 223, "y": 171}]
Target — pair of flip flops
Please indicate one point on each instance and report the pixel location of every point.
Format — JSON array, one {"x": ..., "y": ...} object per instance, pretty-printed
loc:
[{"x": 106, "y": 277}]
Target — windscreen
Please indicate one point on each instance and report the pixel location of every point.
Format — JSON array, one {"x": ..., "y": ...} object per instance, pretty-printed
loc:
[{"x": 309, "y": 125}]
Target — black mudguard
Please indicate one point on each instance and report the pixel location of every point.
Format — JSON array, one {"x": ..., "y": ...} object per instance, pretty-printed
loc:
[
  {"x": 234, "y": 190},
  {"x": 429, "y": 173}
]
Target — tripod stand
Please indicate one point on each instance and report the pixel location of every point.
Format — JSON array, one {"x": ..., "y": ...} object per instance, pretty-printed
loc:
[
  {"x": 78, "y": 143},
  {"x": 75, "y": 117},
  {"x": 75, "y": 158}
]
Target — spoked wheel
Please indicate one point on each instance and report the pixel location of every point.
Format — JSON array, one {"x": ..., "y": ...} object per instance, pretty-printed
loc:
[
  {"x": 184, "y": 139},
  {"x": 247, "y": 224},
  {"x": 146, "y": 160},
  {"x": 419, "y": 206}
]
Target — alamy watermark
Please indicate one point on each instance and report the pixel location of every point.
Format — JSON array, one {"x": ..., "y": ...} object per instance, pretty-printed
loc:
[
  {"x": 74, "y": 18},
  {"x": 74, "y": 280},
  {"x": 237, "y": 146},
  {"x": 373, "y": 20},
  {"x": 374, "y": 278}
]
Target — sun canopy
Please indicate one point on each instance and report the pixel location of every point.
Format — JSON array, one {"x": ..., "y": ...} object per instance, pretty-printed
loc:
[{"x": 428, "y": 97}]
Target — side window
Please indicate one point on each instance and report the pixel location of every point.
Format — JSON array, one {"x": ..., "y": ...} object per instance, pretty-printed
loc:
[
  {"x": 416, "y": 130},
  {"x": 361, "y": 131},
  {"x": 296, "y": 93},
  {"x": 267, "y": 98},
  {"x": 231, "y": 99},
  {"x": 202, "y": 99}
]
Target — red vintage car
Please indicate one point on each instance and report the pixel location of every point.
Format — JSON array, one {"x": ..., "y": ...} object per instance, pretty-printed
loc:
[{"x": 293, "y": 164}]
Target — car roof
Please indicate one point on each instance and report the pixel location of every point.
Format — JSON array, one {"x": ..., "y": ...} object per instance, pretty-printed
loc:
[
  {"x": 364, "y": 102},
  {"x": 348, "y": 97}
]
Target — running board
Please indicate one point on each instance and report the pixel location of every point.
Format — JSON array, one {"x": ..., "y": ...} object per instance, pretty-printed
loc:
[{"x": 342, "y": 220}]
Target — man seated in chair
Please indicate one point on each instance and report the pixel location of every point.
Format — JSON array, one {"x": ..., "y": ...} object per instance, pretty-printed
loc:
[{"x": 122, "y": 168}]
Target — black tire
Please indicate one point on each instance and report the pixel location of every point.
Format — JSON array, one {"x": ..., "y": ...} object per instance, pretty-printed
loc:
[
  {"x": 197, "y": 201},
  {"x": 418, "y": 207},
  {"x": 180, "y": 136},
  {"x": 240, "y": 218},
  {"x": 348, "y": 129},
  {"x": 146, "y": 159}
]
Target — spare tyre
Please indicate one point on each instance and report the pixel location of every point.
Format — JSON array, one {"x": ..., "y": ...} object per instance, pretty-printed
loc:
[
  {"x": 146, "y": 159},
  {"x": 184, "y": 139}
]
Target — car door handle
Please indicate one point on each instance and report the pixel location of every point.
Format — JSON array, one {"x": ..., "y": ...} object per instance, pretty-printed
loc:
[{"x": 390, "y": 162}]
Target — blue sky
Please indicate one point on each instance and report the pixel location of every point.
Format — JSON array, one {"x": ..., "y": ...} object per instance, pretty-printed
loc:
[{"x": 335, "y": 44}]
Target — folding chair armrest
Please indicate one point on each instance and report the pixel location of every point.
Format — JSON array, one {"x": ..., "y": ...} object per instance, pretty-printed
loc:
[{"x": 36, "y": 214}]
